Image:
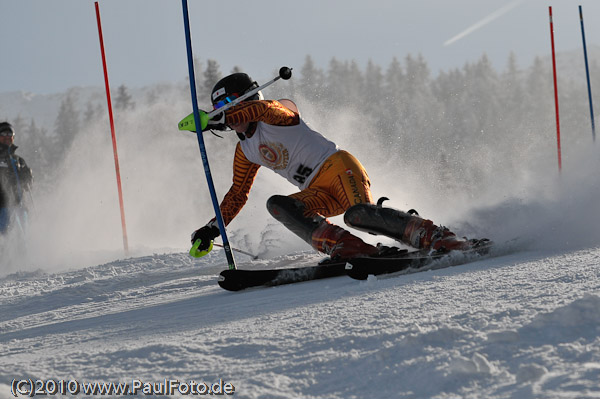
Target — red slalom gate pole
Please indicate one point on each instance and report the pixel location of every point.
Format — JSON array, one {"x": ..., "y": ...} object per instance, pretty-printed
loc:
[
  {"x": 555, "y": 91},
  {"x": 112, "y": 131}
]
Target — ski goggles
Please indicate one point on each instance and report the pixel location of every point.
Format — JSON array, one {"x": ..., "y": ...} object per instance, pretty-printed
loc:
[
  {"x": 7, "y": 133},
  {"x": 226, "y": 100}
]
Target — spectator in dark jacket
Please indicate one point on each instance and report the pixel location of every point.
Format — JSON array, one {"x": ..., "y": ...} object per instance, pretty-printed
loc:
[{"x": 15, "y": 179}]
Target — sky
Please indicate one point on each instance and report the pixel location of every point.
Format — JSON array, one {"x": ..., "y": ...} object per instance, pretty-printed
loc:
[{"x": 50, "y": 46}]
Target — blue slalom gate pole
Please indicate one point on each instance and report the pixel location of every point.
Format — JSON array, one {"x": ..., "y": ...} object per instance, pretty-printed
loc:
[
  {"x": 587, "y": 73},
  {"x": 211, "y": 186}
]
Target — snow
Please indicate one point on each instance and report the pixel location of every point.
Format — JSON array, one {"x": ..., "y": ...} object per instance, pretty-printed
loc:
[{"x": 524, "y": 324}]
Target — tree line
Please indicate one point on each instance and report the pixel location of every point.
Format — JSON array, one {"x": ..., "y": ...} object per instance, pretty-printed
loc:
[{"x": 404, "y": 109}]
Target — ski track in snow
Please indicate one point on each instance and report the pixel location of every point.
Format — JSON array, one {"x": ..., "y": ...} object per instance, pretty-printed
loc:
[{"x": 521, "y": 325}]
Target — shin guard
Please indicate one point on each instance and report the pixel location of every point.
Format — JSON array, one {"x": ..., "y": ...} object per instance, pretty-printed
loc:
[
  {"x": 404, "y": 227},
  {"x": 290, "y": 212},
  {"x": 317, "y": 231}
]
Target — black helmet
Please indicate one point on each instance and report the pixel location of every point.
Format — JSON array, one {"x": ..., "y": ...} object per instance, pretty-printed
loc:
[
  {"x": 233, "y": 86},
  {"x": 6, "y": 129}
]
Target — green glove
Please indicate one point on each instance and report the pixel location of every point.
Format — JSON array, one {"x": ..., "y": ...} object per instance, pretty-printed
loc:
[
  {"x": 202, "y": 240},
  {"x": 198, "y": 253},
  {"x": 217, "y": 122},
  {"x": 188, "y": 123}
]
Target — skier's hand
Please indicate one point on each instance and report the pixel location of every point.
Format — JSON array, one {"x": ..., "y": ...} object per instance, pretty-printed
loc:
[
  {"x": 202, "y": 240},
  {"x": 217, "y": 122}
]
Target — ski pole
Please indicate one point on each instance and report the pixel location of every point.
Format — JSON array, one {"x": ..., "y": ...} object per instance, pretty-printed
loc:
[
  {"x": 188, "y": 123},
  {"x": 254, "y": 257},
  {"x": 284, "y": 73}
]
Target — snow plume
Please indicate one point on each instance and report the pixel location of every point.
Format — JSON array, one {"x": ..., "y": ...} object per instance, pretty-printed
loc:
[
  {"x": 497, "y": 186},
  {"x": 76, "y": 221},
  {"x": 561, "y": 212},
  {"x": 506, "y": 188}
]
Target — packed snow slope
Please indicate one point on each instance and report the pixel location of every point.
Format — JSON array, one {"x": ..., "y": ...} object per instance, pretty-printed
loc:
[{"x": 524, "y": 324}]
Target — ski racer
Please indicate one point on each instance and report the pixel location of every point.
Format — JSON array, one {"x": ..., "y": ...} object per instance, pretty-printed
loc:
[
  {"x": 15, "y": 179},
  {"x": 331, "y": 181}
]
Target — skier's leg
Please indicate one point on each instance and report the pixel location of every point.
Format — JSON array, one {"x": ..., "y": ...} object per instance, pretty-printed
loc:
[
  {"x": 301, "y": 217},
  {"x": 404, "y": 227},
  {"x": 291, "y": 213},
  {"x": 341, "y": 182},
  {"x": 344, "y": 178}
]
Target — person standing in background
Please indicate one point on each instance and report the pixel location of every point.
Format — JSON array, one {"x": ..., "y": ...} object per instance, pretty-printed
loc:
[{"x": 15, "y": 178}]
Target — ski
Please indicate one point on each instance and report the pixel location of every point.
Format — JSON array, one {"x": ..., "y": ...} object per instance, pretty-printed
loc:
[
  {"x": 361, "y": 268},
  {"x": 236, "y": 279},
  {"x": 357, "y": 268}
]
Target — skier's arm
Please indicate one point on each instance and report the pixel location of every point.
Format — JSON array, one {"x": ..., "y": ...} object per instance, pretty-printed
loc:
[
  {"x": 244, "y": 173},
  {"x": 270, "y": 112}
]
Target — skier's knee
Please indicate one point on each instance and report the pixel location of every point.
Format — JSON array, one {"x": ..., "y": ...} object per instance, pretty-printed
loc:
[
  {"x": 280, "y": 204},
  {"x": 290, "y": 212}
]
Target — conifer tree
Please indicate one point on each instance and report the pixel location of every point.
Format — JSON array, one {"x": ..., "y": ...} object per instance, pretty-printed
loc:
[
  {"x": 312, "y": 80},
  {"x": 373, "y": 90},
  {"x": 212, "y": 75},
  {"x": 199, "y": 77},
  {"x": 67, "y": 124},
  {"x": 123, "y": 100}
]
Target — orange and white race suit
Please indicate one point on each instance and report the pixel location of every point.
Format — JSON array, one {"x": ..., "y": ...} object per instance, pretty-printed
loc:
[{"x": 331, "y": 180}]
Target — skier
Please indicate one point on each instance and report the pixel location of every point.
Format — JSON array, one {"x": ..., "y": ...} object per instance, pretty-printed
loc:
[
  {"x": 331, "y": 181},
  {"x": 15, "y": 178}
]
